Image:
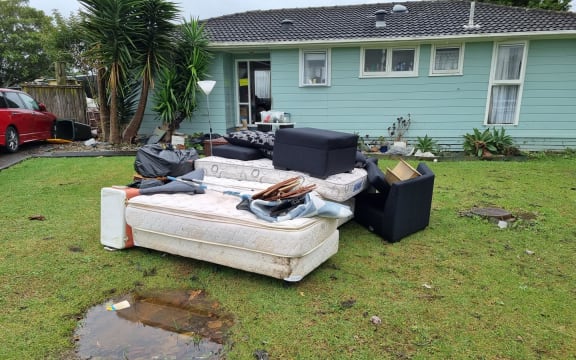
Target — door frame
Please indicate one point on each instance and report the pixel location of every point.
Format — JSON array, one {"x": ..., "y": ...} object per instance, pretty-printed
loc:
[{"x": 248, "y": 110}]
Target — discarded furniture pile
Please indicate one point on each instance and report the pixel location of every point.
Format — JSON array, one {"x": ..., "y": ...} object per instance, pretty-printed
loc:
[{"x": 268, "y": 203}]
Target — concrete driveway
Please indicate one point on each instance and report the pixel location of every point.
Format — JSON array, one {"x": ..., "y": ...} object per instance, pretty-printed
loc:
[
  {"x": 41, "y": 149},
  {"x": 26, "y": 151}
]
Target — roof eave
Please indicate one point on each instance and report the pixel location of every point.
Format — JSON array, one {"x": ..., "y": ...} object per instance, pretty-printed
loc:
[{"x": 249, "y": 45}]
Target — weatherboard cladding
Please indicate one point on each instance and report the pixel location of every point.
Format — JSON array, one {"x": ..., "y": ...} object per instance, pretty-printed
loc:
[{"x": 424, "y": 19}]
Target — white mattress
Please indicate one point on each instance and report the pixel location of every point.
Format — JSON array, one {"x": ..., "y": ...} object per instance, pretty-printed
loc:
[
  {"x": 338, "y": 187},
  {"x": 213, "y": 218}
]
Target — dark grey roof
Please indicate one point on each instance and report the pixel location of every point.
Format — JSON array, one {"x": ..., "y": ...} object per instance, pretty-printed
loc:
[{"x": 424, "y": 19}]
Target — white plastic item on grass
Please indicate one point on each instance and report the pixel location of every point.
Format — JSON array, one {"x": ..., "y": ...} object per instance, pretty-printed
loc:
[{"x": 112, "y": 223}]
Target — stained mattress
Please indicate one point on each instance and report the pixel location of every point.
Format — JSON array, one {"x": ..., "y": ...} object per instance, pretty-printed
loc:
[
  {"x": 338, "y": 187},
  {"x": 213, "y": 218}
]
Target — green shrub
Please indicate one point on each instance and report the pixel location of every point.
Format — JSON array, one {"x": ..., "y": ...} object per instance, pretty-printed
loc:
[
  {"x": 479, "y": 143},
  {"x": 503, "y": 142},
  {"x": 426, "y": 144}
]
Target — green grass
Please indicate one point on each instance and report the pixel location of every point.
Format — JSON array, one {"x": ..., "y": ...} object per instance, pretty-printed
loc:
[{"x": 462, "y": 288}]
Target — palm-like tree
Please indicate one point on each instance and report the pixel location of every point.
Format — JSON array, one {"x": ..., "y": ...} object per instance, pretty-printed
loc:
[
  {"x": 152, "y": 51},
  {"x": 176, "y": 96},
  {"x": 111, "y": 27}
]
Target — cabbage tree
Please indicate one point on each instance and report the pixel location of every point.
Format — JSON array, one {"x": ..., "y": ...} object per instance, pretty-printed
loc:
[{"x": 175, "y": 97}]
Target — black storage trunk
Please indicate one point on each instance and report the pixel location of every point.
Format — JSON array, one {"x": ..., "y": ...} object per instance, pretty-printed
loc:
[
  {"x": 318, "y": 152},
  {"x": 71, "y": 130}
]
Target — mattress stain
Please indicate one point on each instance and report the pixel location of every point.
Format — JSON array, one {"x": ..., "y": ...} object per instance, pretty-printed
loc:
[{"x": 163, "y": 324}]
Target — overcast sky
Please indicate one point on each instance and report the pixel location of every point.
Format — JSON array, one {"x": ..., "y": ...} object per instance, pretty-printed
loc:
[{"x": 209, "y": 8}]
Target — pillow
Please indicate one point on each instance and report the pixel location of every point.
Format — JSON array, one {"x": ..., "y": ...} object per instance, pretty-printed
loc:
[{"x": 252, "y": 138}]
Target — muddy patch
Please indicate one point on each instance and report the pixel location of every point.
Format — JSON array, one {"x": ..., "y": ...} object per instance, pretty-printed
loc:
[{"x": 171, "y": 324}]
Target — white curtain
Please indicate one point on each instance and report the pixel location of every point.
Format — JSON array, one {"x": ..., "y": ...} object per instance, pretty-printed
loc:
[
  {"x": 262, "y": 84},
  {"x": 509, "y": 62},
  {"x": 505, "y": 96},
  {"x": 446, "y": 59},
  {"x": 503, "y": 109}
]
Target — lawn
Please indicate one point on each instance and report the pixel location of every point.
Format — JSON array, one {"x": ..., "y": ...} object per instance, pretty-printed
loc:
[{"x": 461, "y": 289}]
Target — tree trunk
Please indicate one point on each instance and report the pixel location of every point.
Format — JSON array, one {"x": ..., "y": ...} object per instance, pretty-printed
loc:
[
  {"x": 114, "y": 128},
  {"x": 134, "y": 126},
  {"x": 103, "y": 105},
  {"x": 114, "y": 123}
]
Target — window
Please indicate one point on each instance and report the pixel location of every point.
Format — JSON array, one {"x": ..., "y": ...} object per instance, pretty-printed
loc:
[
  {"x": 29, "y": 103},
  {"x": 506, "y": 81},
  {"x": 446, "y": 60},
  {"x": 315, "y": 68},
  {"x": 377, "y": 62},
  {"x": 14, "y": 101}
]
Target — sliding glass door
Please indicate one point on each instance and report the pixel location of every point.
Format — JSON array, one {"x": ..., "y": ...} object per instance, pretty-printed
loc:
[{"x": 253, "y": 90}]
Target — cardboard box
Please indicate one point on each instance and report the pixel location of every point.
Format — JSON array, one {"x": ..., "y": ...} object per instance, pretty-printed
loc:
[
  {"x": 179, "y": 141},
  {"x": 402, "y": 171}
]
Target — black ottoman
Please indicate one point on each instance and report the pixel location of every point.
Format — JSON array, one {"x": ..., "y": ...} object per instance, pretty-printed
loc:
[
  {"x": 238, "y": 152},
  {"x": 318, "y": 152}
]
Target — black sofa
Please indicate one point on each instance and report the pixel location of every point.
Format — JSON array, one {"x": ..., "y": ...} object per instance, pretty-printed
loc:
[{"x": 397, "y": 210}]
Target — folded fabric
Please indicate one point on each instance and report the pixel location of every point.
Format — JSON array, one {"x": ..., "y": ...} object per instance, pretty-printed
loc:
[
  {"x": 174, "y": 187},
  {"x": 185, "y": 185},
  {"x": 312, "y": 205}
]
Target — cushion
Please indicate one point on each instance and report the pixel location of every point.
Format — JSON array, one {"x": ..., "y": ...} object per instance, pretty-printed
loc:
[
  {"x": 252, "y": 138},
  {"x": 376, "y": 177},
  {"x": 238, "y": 152}
]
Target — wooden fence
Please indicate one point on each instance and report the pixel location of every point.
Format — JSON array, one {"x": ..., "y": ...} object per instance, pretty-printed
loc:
[{"x": 64, "y": 101}]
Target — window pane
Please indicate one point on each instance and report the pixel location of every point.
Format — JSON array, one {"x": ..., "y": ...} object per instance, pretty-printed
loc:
[
  {"x": 509, "y": 62},
  {"x": 29, "y": 103},
  {"x": 14, "y": 101},
  {"x": 447, "y": 59},
  {"x": 403, "y": 60},
  {"x": 503, "y": 104},
  {"x": 375, "y": 60},
  {"x": 315, "y": 67},
  {"x": 243, "y": 94}
]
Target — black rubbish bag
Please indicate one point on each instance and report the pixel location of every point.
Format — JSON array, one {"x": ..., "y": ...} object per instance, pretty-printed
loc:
[{"x": 156, "y": 160}]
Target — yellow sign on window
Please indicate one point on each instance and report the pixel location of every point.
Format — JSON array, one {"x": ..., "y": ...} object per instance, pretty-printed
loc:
[{"x": 244, "y": 82}]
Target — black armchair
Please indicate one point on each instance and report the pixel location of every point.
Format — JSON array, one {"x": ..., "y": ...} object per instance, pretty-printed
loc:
[{"x": 397, "y": 210}]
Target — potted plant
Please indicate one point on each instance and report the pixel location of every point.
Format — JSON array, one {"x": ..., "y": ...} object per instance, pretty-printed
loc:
[
  {"x": 383, "y": 143},
  {"x": 399, "y": 128}
]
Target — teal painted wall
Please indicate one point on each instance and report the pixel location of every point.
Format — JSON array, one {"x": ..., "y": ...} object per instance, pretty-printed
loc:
[
  {"x": 442, "y": 107},
  {"x": 549, "y": 99}
]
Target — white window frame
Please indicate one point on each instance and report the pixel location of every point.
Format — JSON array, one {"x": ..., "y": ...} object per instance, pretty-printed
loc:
[
  {"x": 389, "y": 72},
  {"x": 517, "y": 82},
  {"x": 458, "y": 71},
  {"x": 309, "y": 82}
]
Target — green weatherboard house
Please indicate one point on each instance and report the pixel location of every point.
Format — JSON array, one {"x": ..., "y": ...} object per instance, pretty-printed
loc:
[{"x": 452, "y": 65}]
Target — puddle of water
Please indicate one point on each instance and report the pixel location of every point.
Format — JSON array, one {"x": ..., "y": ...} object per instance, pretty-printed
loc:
[{"x": 171, "y": 324}]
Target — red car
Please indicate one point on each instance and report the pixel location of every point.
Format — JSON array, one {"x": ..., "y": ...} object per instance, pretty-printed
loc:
[{"x": 23, "y": 119}]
